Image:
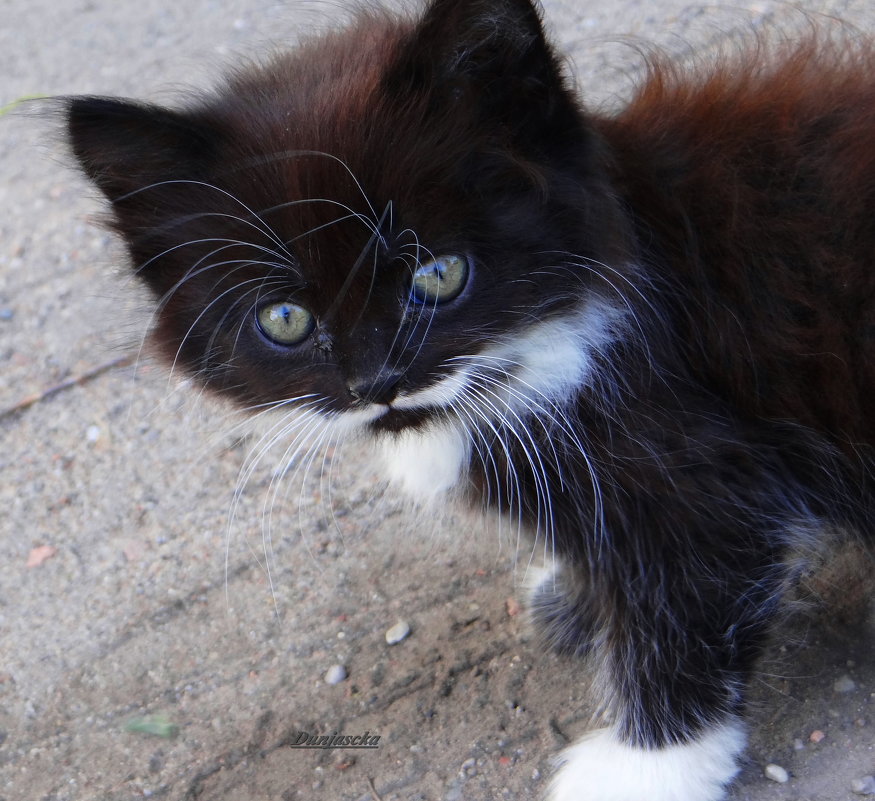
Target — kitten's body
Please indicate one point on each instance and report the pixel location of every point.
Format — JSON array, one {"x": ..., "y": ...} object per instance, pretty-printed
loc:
[{"x": 649, "y": 337}]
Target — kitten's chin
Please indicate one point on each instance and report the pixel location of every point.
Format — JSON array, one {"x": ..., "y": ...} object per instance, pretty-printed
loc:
[
  {"x": 395, "y": 420},
  {"x": 382, "y": 421}
]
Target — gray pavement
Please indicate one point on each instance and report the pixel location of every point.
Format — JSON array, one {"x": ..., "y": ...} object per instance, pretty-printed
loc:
[{"x": 154, "y": 602}]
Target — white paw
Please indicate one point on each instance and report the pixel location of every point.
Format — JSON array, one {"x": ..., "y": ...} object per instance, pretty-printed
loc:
[{"x": 600, "y": 768}]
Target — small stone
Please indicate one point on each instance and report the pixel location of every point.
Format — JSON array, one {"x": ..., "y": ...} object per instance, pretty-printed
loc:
[
  {"x": 344, "y": 762},
  {"x": 398, "y": 632},
  {"x": 39, "y": 555},
  {"x": 134, "y": 550},
  {"x": 798, "y": 745},
  {"x": 776, "y": 773},
  {"x": 816, "y": 736},
  {"x": 335, "y": 674},
  {"x": 92, "y": 433},
  {"x": 844, "y": 685},
  {"x": 864, "y": 786}
]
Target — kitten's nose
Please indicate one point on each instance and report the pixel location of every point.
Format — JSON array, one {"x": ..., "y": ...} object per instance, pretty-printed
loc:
[{"x": 382, "y": 388}]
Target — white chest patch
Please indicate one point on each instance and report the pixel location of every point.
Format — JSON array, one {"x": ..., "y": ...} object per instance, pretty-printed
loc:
[{"x": 426, "y": 463}]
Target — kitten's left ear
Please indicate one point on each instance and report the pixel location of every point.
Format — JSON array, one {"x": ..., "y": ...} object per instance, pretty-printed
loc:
[
  {"x": 124, "y": 146},
  {"x": 494, "y": 49}
]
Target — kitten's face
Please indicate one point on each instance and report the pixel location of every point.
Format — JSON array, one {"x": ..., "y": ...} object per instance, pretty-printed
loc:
[{"x": 373, "y": 226}]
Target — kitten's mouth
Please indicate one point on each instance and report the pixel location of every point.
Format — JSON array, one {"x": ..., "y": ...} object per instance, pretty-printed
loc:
[
  {"x": 395, "y": 419},
  {"x": 416, "y": 409}
]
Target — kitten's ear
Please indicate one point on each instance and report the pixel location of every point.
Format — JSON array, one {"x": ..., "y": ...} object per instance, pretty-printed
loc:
[
  {"x": 495, "y": 49},
  {"x": 124, "y": 146}
]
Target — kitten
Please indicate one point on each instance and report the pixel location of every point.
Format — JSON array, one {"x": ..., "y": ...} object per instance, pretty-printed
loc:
[{"x": 648, "y": 336}]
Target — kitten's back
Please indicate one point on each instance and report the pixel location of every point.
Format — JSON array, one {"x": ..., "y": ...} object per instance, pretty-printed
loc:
[{"x": 754, "y": 187}]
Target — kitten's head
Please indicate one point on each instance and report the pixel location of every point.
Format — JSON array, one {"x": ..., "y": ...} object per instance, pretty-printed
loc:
[{"x": 390, "y": 216}]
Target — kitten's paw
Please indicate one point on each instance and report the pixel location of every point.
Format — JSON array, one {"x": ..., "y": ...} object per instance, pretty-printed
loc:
[{"x": 601, "y": 768}]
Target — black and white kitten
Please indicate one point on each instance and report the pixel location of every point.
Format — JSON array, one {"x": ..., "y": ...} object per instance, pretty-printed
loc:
[{"x": 649, "y": 336}]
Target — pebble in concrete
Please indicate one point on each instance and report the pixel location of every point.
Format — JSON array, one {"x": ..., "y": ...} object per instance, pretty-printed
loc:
[
  {"x": 335, "y": 674},
  {"x": 398, "y": 632},
  {"x": 777, "y": 774}
]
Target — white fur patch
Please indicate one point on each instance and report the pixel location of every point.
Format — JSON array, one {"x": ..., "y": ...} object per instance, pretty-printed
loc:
[
  {"x": 554, "y": 359},
  {"x": 426, "y": 463},
  {"x": 601, "y": 768}
]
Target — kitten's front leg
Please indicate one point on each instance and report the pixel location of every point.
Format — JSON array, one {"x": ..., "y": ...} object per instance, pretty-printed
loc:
[
  {"x": 674, "y": 627},
  {"x": 601, "y": 766},
  {"x": 677, "y": 731}
]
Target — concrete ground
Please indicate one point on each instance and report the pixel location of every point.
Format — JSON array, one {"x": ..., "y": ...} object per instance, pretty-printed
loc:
[{"x": 146, "y": 602}]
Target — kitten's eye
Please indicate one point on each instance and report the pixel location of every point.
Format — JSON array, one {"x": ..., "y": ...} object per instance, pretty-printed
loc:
[
  {"x": 439, "y": 280},
  {"x": 285, "y": 323}
]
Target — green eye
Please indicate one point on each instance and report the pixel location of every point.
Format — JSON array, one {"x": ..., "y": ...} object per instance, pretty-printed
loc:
[
  {"x": 439, "y": 280},
  {"x": 285, "y": 323}
]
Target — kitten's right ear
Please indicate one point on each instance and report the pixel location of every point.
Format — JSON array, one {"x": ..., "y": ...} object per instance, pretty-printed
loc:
[
  {"x": 496, "y": 55},
  {"x": 124, "y": 147}
]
